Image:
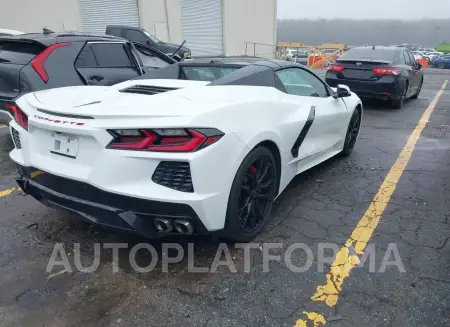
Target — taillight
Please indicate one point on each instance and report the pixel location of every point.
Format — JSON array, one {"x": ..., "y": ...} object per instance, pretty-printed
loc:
[
  {"x": 11, "y": 109},
  {"x": 336, "y": 68},
  {"x": 38, "y": 62},
  {"x": 19, "y": 116},
  {"x": 386, "y": 71},
  {"x": 164, "y": 140}
]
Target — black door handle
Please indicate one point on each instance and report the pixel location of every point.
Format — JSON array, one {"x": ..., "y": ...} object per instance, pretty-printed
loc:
[{"x": 96, "y": 78}]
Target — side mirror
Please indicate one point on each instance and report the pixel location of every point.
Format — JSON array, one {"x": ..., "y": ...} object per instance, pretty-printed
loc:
[
  {"x": 148, "y": 42},
  {"x": 342, "y": 91},
  {"x": 419, "y": 66}
]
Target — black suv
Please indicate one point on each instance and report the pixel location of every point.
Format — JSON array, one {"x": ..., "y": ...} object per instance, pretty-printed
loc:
[
  {"x": 32, "y": 62},
  {"x": 140, "y": 35}
]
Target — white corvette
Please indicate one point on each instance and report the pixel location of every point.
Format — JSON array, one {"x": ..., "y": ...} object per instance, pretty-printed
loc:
[{"x": 208, "y": 149}]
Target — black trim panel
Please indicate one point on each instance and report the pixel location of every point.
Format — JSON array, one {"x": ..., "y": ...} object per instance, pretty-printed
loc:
[
  {"x": 63, "y": 155},
  {"x": 301, "y": 137},
  {"x": 102, "y": 207}
]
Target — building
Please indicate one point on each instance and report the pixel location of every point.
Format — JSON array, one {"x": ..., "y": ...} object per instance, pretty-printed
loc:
[{"x": 210, "y": 27}]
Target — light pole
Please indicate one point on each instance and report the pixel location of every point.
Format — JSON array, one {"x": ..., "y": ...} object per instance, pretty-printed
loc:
[{"x": 436, "y": 30}]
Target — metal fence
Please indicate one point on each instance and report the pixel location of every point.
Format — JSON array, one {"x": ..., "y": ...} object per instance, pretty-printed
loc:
[{"x": 255, "y": 49}]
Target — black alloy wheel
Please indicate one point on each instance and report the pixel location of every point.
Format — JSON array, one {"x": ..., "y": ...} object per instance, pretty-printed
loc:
[
  {"x": 257, "y": 194},
  {"x": 251, "y": 197},
  {"x": 352, "y": 133}
]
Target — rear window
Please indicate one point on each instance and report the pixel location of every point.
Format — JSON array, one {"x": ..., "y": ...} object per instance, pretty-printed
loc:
[
  {"x": 18, "y": 52},
  {"x": 206, "y": 73},
  {"x": 111, "y": 55},
  {"x": 369, "y": 53},
  {"x": 103, "y": 55}
]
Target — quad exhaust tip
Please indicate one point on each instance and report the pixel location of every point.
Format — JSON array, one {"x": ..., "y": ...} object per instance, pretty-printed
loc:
[
  {"x": 163, "y": 225},
  {"x": 181, "y": 226}
]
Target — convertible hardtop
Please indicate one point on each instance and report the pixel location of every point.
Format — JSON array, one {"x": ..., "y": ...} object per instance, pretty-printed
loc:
[{"x": 241, "y": 71}]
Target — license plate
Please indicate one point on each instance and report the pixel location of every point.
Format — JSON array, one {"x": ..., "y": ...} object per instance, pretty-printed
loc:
[
  {"x": 357, "y": 73},
  {"x": 64, "y": 145}
]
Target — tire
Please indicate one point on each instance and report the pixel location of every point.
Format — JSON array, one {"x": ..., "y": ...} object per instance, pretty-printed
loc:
[
  {"x": 352, "y": 133},
  {"x": 249, "y": 204},
  {"x": 441, "y": 66},
  {"x": 416, "y": 96},
  {"x": 398, "y": 103}
]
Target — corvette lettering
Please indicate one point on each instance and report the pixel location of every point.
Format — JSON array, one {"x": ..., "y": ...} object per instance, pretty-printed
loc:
[{"x": 58, "y": 121}]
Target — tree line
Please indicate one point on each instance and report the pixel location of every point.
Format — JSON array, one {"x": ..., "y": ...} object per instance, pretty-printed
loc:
[{"x": 428, "y": 32}]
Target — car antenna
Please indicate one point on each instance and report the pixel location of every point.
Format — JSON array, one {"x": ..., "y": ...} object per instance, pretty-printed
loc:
[{"x": 179, "y": 48}]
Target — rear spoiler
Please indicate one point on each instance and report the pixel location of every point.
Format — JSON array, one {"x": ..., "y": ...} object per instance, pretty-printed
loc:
[{"x": 18, "y": 38}]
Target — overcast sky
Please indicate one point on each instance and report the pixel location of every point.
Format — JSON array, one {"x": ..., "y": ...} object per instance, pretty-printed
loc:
[{"x": 363, "y": 9}]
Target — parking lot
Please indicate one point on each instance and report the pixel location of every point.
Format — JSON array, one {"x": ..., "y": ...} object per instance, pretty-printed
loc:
[{"x": 323, "y": 205}]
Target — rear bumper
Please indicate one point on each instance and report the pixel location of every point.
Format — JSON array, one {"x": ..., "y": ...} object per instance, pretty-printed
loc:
[
  {"x": 105, "y": 208},
  {"x": 382, "y": 89},
  {"x": 126, "y": 181}
]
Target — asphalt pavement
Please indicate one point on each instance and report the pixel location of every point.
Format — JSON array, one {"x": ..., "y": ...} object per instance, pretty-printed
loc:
[{"x": 392, "y": 192}]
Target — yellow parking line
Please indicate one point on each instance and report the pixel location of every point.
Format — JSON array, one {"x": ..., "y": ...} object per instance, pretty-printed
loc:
[
  {"x": 13, "y": 189},
  {"x": 3, "y": 126},
  {"x": 349, "y": 255},
  {"x": 36, "y": 173},
  {"x": 7, "y": 192}
]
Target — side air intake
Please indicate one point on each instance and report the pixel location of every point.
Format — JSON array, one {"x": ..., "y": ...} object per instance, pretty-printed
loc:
[{"x": 147, "y": 89}]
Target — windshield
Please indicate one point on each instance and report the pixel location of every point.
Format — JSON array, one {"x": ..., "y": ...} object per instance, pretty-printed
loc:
[{"x": 152, "y": 37}]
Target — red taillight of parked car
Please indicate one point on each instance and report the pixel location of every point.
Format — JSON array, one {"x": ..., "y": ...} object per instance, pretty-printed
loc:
[
  {"x": 386, "y": 71},
  {"x": 38, "y": 62},
  {"x": 336, "y": 68},
  {"x": 19, "y": 116},
  {"x": 164, "y": 140}
]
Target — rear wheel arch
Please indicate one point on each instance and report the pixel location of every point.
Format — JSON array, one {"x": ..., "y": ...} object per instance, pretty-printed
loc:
[
  {"x": 232, "y": 227},
  {"x": 350, "y": 136},
  {"x": 273, "y": 147}
]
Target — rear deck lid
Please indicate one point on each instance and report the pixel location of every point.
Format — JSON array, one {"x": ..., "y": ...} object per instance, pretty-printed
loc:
[{"x": 130, "y": 99}]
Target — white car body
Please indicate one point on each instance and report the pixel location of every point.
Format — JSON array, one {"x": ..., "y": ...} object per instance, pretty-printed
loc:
[
  {"x": 433, "y": 55},
  {"x": 4, "y": 32},
  {"x": 425, "y": 50},
  {"x": 418, "y": 55},
  {"x": 247, "y": 115}
]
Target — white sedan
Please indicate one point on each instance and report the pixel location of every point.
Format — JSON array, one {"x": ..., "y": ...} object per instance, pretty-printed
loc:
[{"x": 170, "y": 156}]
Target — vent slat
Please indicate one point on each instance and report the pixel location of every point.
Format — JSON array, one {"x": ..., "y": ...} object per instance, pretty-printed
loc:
[{"x": 147, "y": 89}]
